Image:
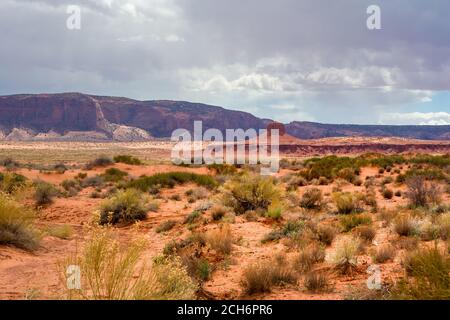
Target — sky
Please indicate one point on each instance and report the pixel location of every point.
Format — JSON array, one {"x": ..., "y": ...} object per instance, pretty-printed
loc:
[{"x": 305, "y": 60}]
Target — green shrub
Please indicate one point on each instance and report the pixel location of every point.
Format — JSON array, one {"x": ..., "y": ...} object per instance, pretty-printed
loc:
[
  {"x": 10, "y": 182},
  {"x": 347, "y": 202},
  {"x": 292, "y": 229},
  {"x": 16, "y": 225},
  {"x": 44, "y": 193},
  {"x": 114, "y": 175},
  {"x": 125, "y": 206},
  {"x": 350, "y": 221},
  {"x": 170, "y": 179},
  {"x": 311, "y": 199},
  {"x": 192, "y": 217},
  {"x": 61, "y": 231},
  {"x": 251, "y": 192},
  {"x": 428, "y": 276},
  {"x": 127, "y": 159},
  {"x": 109, "y": 273},
  {"x": 222, "y": 169}
]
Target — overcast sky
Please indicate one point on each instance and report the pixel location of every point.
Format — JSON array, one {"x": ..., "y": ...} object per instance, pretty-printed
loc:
[{"x": 287, "y": 60}]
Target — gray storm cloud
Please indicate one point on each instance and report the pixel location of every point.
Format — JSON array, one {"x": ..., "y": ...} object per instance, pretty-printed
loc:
[{"x": 287, "y": 59}]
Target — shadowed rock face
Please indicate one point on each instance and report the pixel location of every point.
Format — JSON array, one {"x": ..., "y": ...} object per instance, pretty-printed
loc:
[{"x": 75, "y": 116}]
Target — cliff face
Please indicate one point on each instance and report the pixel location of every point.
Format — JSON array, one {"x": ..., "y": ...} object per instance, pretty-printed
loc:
[
  {"x": 311, "y": 130},
  {"x": 42, "y": 113},
  {"x": 75, "y": 116}
]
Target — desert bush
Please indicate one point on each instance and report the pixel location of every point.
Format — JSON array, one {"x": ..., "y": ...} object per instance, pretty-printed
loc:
[
  {"x": 347, "y": 174},
  {"x": 11, "y": 182},
  {"x": 192, "y": 217},
  {"x": 165, "y": 226},
  {"x": 101, "y": 161},
  {"x": 420, "y": 194},
  {"x": 251, "y": 192},
  {"x": 350, "y": 221},
  {"x": 70, "y": 185},
  {"x": 221, "y": 240},
  {"x": 262, "y": 276},
  {"x": 175, "y": 197},
  {"x": 218, "y": 212},
  {"x": 429, "y": 231},
  {"x": 444, "y": 226},
  {"x": 405, "y": 225},
  {"x": 398, "y": 193},
  {"x": 16, "y": 225},
  {"x": 344, "y": 257},
  {"x": 170, "y": 179},
  {"x": 326, "y": 234},
  {"x": 330, "y": 166},
  {"x": 316, "y": 282},
  {"x": 125, "y": 206},
  {"x": 44, "y": 193},
  {"x": 309, "y": 256},
  {"x": 428, "y": 276},
  {"x": 95, "y": 181},
  {"x": 113, "y": 175},
  {"x": 9, "y": 163},
  {"x": 63, "y": 231},
  {"x": 296, "y": 181},
  {"x": 366, "y": 233},
  {"x": 222, "y": 169},
  {"x": 198, "y": 194},
  {"x": 292, "y": 229},
  {"x": 384, "y": 253},
  {"x": 127, "y": 159},
  {"x": 347, "y": 202},
  {"x": 387, "y": 193},
  {"x": 114, "y": 272},
  {"x": 311, "y": 199}
]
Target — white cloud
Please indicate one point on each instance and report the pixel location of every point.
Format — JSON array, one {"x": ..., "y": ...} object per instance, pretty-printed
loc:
[{"x": 416, "y": 118}]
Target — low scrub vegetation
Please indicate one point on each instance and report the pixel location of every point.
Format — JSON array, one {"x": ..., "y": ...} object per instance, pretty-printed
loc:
[
  {"x": 101, "y": 161},
  {"x": 125, "y": 206},
  {"x": 16, "y": 225},
  {"x": 311, "y": 199},
  {"x": 251, "y": 192},
  {"x": 127, "y": 159},
  {"x": 427, "y": 276},
  {"x": 263, "y": 276},
  {"x": 114, "y": 272},
  {"x": 348, "y": 222},
  {"x": 347, "y": 202},
  {"x": 221, "y": 239},
  {"x": 344, "y": 257},
  {"x": 170, "y": 179}
]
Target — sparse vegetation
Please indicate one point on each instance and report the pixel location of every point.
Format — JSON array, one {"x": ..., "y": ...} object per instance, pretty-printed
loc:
[
  {"x": 16, "y": 225},
  {"x": 170, "y": 179},
  {"x": 344, "y": 257},
  {"x": 127, "y": 159},
  {"x": 124, "y": 207},
  {"x": 251, "y": 192},
  {"x": 311, "y": 199}
]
